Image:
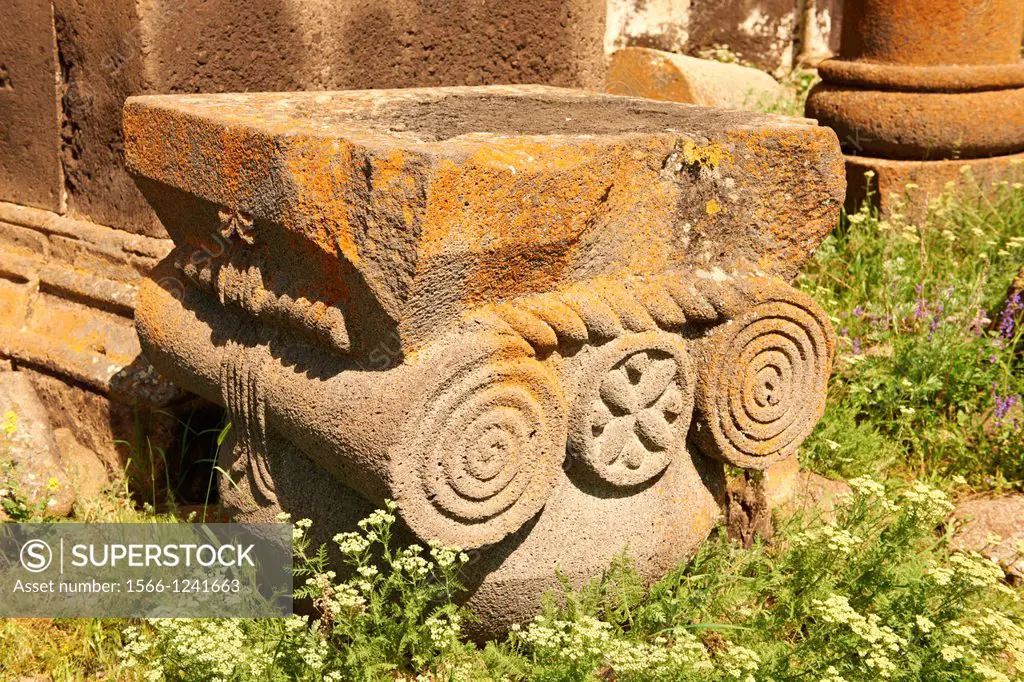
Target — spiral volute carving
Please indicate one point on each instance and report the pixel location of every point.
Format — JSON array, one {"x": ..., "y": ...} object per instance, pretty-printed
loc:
[
  {"x": 491, "y": 446},
  {"x": 763, "y": 377}
]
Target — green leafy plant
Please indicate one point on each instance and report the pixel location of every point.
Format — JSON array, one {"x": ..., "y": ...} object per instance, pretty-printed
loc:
[{"x": 930, "y": 372}]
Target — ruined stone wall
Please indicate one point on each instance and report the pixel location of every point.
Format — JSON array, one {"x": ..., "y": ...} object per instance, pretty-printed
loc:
[
  {"x": 113, "y": 48},
  {"x": 76, "y": 235}
]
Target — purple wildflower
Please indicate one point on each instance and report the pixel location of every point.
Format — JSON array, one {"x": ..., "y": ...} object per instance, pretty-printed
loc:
[
  {"x": 937, "y": 312},
  {"x": 1004, "y": 404},
  {"x": 856, "y": 346},
  {"x": 858, "y": 311},
  {"x": 1008, "y": 318}
]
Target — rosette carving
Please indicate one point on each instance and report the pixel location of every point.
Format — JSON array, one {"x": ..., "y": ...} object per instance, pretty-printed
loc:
[{"x": 634, "y": 408}]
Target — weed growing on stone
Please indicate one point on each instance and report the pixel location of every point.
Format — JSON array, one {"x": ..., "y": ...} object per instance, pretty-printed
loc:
[{"x": 930, "y": 370}]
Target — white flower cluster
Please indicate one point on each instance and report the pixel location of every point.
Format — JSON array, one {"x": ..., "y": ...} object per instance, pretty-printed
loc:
[
  {"x": 446, "y": 557},
  {"x": 444, "y": 629},
  {"x": 832, "y": 675},
  {"x": 738, "y": 662},
  {"x": 881, "y": 641},
  {"x": 380, "y": 517},
  {"x": 219, "y": 649},
  {"x": 344, "y": 599},
  {"x": 994, "y": 629},
  {"x": 836, "y": 539},
  {"x": 867, "y": 487},
  {"x": 300, "y": 528},
  {"x": 923, "y": 624},
  {"x": 351, "y": 543},
  {"x": 314, "y": 652},
  {"x": 410, "y": 562},
  {"x": 589, "y": 638},
  {"x": 974, "y": 570},
  {"x": 930, "y": 503},
  {"x": 1008, "y": 633}
]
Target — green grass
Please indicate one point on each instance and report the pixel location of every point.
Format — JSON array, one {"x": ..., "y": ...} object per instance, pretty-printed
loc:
[{"x": 873, "y": 594}]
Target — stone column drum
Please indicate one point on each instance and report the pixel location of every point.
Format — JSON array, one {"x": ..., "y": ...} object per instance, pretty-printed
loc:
[
  {"x": 922, "y": 89},
  {"x": 538, "y": 319}
]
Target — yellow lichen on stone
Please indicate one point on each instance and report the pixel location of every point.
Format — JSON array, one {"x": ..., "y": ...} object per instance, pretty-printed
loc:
[
  {"x": 709, "y": 155},
  {"x": 713, "y": 207}
]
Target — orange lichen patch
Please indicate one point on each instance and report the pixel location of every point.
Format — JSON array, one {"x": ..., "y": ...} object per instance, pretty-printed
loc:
[
  {"x": 711, "y": 154},
  {"x": 426, "y": 203},
  {"x": 639, "y": 72},
  {"x": 531, "y": 225},
  {"x": 922, "y": 125},
  {"x": 486, "y": 203},
  {"x": 797, "y": 203},
  {"x": 934, "y": 32},
  {"x": 319, "y": 174},
  {"x": 82, "y": 330}
]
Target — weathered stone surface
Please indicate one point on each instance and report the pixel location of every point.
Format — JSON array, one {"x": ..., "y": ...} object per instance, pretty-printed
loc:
[
  {"x": 781, "y": 481},
  {"x": 995, "y": 528},
  {"x": 762, "y": 33},
  {"x": 641, "y": 72},
  {"x": 772, "y": 35},
  {"x": 68, "y": 290},
  {"x": 30, "y": 171},
  {"x": 509, "y": 309},
  {"x": 922, "y": 125},
  {"x": 748, "y": 512},
  {"x": 29, "y": 459},
  {"x": 84, "y": 468},
  {"x": 67, "y": 298},
  {"x": 127, "y": 435},
  {"x": 928, "y": 83},
  {"x": 939, "y": 32},
  {"x": 815, "y": 495}
]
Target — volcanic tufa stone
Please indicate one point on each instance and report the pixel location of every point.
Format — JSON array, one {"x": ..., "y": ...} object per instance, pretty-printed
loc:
[
  {"x": 537, "y": 319},
  {"x": 30, "y": 469},
  {"x": 993, "y": 527},
  {"x": 642, "y": 72},
  {"x": 83, "y": 466},
  {"x": 921, "y": 90}
]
